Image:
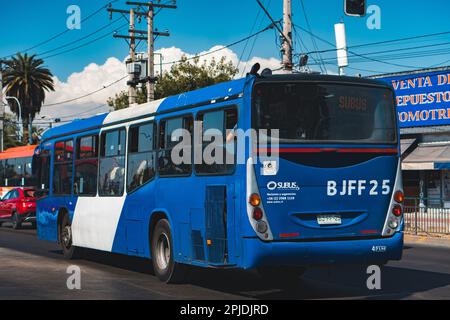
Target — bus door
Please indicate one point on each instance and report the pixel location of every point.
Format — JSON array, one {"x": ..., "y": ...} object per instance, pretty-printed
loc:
[{"x": 219, "y": 189}]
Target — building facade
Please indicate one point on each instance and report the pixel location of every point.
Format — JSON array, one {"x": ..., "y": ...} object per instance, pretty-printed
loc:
[{"x": 423, "y": 102}]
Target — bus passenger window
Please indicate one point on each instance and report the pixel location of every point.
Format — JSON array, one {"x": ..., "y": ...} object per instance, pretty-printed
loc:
[
  {"x": 222, "y": 158},
  {"x": 112, "y": 163},
  {"x": 62, "y": 172},
  {"x": 86, "y": 166},
  {"x": 141, "y": 156},
  {"x": 168, "y": 141},
  {"x": 43, "y": 173}
]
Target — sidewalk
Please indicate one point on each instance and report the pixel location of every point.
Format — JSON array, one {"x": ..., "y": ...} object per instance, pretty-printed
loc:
[{"x": 430, "y": 241}]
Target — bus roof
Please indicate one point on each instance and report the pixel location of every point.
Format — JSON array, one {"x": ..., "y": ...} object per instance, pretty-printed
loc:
[
  {"x": 219, "y": 91},
  {"x": 18, "y": 152},
  {"x": 224, "y": 90}
]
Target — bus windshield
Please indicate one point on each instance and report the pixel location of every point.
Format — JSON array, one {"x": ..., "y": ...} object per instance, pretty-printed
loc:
[{"x": 325, "y": 113}]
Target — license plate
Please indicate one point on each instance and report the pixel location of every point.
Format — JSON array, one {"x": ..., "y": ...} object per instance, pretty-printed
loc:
[{"x": 329, "y": 219}]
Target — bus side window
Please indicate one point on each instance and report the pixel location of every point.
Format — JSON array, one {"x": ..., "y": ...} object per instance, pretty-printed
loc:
[
  {"x": 168, "y": 141},
  {"x": 141, "y": 155},
  {"x": 43, "y": 173},
  {"x": 10, "y": 173},
  {"x": 213, "y": 123},
  {"x": 62, "y": 170},
  {"x": 111, "y": 178},
  {"x": 86, "y": 166}
]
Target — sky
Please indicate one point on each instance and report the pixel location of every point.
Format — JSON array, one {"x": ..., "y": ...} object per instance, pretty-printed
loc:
[{"x": 203, "y": 25}]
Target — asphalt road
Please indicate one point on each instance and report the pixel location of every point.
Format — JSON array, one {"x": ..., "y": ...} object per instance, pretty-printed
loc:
[{"x": 33, "y": 269}]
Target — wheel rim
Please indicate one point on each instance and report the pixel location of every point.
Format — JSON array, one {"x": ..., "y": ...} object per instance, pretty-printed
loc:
[
  {"x": 163, "y": 251},
  {"x": 66, "y": 237}
]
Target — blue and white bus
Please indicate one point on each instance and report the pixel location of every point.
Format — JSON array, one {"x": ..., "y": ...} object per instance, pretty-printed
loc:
[{"x": 333, "y": 194}]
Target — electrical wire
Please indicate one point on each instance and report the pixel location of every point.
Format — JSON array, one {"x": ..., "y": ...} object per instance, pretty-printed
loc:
[
  {"x": 313, "y": 40},
  {"x": 85, "y": 95},
  {"x": 61, "y": 33}
]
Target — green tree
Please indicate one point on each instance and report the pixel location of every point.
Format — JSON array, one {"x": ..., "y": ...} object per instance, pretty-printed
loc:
[
  {"x": 28, "y": 80},
  {"x": 185, "y": 76}
]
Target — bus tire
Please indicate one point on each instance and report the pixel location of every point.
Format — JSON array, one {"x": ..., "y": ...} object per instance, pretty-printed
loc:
[
  {"x": 16, "y": 223},
  {"x": 65, "y": 239},
  {"x": 166, "y": 269}
]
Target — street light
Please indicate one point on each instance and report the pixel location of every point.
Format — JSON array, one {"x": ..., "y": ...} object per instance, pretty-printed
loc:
[{"x": 20, "y": 115}]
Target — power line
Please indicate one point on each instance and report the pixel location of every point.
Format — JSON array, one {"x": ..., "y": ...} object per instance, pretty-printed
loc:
[
  {"x": 85, "y": 44},
  {"x": 313, "y": 40},
  {"x": 407, "y": 55},
  {"x": 221, "y": 48},
  {"x": 361, "y": 55},
  {"x": 80, "y": 39},
  {"x": 172, "y": 62},
  {"x": 251, "y": 31},
  {"x": 84, "y": 112},
  {"x": 84, "y": 96},
  {"x": 254, "y": 40},
  {"x": 63, "y": 32}
]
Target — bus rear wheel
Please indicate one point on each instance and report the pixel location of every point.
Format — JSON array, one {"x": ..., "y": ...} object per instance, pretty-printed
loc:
[
  {"x": 166, "y": 269},
  {"x": 66, "y": 240}
]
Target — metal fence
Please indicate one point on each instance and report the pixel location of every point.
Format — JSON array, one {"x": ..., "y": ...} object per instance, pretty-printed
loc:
[{"x": 426, "y": 216}]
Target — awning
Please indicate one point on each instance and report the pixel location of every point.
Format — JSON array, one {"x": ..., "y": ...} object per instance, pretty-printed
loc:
[
  {"x": 405, "y": 144},
  {"x": 428, "y": 156}
]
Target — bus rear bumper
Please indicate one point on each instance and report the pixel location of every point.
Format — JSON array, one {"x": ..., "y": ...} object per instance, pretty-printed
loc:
[{"x": 295, "y": 253}]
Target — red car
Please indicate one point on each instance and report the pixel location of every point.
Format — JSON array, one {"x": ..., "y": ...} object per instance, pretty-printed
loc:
[{"x": 18, "y": 206}]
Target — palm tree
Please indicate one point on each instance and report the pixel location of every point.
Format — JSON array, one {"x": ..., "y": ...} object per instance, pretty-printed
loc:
[{"x": 28, "y": 80}]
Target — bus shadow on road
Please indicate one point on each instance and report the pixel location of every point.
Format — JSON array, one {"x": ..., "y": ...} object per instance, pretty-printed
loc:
[{"x": 337, "y": 282}]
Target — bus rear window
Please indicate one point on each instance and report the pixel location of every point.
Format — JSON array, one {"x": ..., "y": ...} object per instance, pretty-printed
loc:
[{"x": 325, "y": 113}]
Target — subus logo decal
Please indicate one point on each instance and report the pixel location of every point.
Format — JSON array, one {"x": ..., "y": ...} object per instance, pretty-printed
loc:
[
  {"x": 272, "y": 185},
  {"x": 358, "y": 187}
]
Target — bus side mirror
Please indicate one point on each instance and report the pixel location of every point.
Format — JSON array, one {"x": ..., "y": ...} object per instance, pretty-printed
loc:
[{"x": 355, "y": 8}]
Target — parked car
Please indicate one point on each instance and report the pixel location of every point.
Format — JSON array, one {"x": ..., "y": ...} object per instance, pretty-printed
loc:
[{"x": 18, "y": 206}]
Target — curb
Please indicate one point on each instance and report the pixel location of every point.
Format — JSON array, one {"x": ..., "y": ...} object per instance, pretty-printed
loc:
[{"x": 427, "y": 241}]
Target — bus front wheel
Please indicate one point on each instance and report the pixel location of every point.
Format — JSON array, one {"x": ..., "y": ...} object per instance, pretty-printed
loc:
[
  {"x": 66, "y": 240},
  {"x": 166, "y": 269}
]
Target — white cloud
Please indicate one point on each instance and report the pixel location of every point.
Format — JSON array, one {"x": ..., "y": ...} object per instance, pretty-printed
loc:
[{"x": 95, "y": 76}]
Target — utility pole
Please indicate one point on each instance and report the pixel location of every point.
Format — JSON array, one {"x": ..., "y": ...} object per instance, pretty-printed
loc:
[
  {"x": 287, "y": 36},
  {"x": 150, "y": 38},
  {"x": 286, "y": 33},
  {"x": 131, "y": 83},
  {"x": 151, "y": 55}
]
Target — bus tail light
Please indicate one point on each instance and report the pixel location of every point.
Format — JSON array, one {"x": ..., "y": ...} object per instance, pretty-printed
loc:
[
  {"x": 255, "y": 200},
  {"x": 257, "y": 214},
  {"x": 261, "y": 227},
  {"x": 399, "y": 197},
  {"x": 397, "y": 210}
]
